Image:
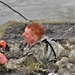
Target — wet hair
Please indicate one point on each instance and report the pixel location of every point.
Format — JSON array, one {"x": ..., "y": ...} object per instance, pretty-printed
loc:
[{"x": 36, "y": 29}]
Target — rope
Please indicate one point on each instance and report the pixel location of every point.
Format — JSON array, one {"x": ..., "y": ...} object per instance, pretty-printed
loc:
[{"x": 13, "y": 10}]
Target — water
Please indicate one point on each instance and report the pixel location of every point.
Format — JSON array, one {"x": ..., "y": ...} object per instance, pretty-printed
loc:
[{"x": 38, "y": 9}]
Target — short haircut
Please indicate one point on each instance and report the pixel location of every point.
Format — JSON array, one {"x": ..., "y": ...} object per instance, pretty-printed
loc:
[{"x": 36, "y": 29}]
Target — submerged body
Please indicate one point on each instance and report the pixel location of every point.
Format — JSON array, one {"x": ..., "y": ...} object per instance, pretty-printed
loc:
[{"x": 35, "y": 52}]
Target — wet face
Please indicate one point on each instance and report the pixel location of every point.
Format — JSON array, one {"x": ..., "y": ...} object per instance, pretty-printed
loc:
[{"x": 28, "y": 37}]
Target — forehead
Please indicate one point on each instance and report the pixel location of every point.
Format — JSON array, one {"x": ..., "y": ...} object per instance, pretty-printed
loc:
[{"x": 27, "y": 30}]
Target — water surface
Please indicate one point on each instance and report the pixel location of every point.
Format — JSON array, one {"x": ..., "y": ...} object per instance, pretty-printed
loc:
[{"x": 63, "y": 10}]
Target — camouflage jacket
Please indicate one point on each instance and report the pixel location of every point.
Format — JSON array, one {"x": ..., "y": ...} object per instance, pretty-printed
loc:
[{"x": 43, "y": 51}]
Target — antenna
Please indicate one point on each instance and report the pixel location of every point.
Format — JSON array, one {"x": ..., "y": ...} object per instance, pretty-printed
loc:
[{"x": 13, "y": 10}]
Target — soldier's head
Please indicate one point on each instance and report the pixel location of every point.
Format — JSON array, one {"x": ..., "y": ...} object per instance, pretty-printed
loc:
[{"x": 33, "y": 32}]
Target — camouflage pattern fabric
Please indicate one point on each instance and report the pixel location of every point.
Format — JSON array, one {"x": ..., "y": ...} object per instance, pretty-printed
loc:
[{"x": 32, "y": 58}]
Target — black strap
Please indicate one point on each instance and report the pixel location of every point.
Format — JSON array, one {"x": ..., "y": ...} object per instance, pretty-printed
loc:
[{"x": 48, "y": 43}]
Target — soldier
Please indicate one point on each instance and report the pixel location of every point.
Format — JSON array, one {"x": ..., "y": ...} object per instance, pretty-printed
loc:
[
  {"x": 36, "y": 50},
  {"x": 44, "y": 49}
]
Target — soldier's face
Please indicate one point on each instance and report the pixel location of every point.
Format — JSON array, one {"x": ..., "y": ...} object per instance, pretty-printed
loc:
[{"x": 28, "y": 36}]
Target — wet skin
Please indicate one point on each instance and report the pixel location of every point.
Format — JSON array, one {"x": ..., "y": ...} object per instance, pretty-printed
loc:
[{"x": 29, "y": 37}]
